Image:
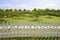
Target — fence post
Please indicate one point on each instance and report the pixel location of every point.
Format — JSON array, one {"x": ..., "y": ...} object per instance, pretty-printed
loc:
[
  {"x": 15, "y": 29},
  {"x": 57, "y": 30},
  {"x": 50, "y": 30},
  {"x": 10, "y": 28},
  {"x": 46, "y": 25},
  {"x": 7, "y": 29},
  {"x": 40, "y": 29},
  {"x": 3, "y": 29}
]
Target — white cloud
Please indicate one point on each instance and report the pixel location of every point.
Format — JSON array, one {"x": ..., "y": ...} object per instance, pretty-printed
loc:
[
  {"x": 30, "y": 4},
  {"x": 47, "y": 5},
  {"x": 23, "y": 6},
  {"x": 17, "y": 6},
  {"x": 50, "y": 5},
  {"x": 20, "y": 6},
  {"x": 9, "y": 5},
  {"x": 5, "y": 6}
]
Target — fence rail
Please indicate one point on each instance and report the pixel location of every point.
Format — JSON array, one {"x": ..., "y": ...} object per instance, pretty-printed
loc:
[{"x": 29, "y": 30}]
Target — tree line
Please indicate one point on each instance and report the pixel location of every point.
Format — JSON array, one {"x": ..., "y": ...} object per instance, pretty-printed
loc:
[{"x": 6, "y": 13}]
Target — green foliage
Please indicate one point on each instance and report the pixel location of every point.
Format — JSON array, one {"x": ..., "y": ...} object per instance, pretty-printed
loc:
[
  {"x": 35, "y": 12},
  {"x": 31, "y": 38},
  {"x": 28, "y": 15}
]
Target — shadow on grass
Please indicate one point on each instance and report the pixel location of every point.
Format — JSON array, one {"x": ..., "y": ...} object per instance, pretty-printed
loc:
[{"x": 31, "y": 38}]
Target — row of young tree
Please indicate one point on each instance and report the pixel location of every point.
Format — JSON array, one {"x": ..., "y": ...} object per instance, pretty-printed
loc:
[{"x": 6, "y": 13}]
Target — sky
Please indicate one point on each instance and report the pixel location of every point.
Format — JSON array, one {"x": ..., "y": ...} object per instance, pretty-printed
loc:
[{"x": 29, "y": 4}]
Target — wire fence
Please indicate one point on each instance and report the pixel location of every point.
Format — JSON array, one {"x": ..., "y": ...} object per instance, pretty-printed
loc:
[{"x": 29, "y": 30}]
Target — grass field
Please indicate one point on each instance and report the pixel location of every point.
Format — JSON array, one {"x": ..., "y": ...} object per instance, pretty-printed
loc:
[
  {"x": 27, "y": 19},
  {"x": 31, "y": 38}
]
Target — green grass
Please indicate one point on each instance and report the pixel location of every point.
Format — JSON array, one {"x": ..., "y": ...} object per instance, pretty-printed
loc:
[
  {"x": 27, "y": 19},
  {"x": 42, "y": 19},
  {"x": 31, "y": 38}
]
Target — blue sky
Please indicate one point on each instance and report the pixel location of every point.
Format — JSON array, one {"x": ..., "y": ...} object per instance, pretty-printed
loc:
[{"x": 29, "y": 4}]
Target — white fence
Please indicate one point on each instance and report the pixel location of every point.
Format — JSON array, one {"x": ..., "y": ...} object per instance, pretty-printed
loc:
[{"x": 29, "y": 30}]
